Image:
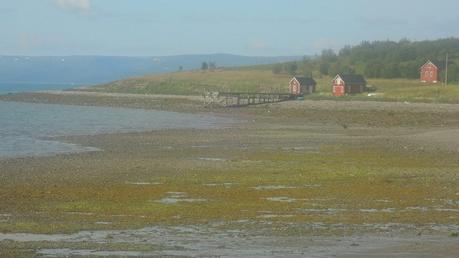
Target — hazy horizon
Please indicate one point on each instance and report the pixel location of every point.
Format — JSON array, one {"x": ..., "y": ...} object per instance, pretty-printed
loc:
[
  {"x": 250, "y": 28},
  {"x": 151, "y": 56}
]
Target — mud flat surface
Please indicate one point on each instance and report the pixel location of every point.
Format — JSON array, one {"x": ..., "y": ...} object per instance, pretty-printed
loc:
[
  {"x": 207, "y": 241},
  {"x": 293, "y": 180}
]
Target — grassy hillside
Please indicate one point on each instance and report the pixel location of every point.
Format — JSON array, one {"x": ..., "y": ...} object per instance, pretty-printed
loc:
[
  {"x": 198, "y": 82},
  {"x": 384, "y": 61},
  {"x": 263, "y": 80}
]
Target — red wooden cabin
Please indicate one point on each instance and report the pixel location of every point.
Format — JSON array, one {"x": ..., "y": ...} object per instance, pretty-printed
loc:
[
  {"x": 348, "y": 84},
  {"x": 429, "y": 73},
  {"x": 302, "y": 85}
]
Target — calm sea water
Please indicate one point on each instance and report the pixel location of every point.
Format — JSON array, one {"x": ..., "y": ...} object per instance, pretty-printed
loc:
[
  {"x": 30, "y": 87},
  {"x": 25, "y": 128}
]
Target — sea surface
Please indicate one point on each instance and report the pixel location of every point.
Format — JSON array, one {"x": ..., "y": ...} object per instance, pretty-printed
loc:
[
  {"x": 27, "y": 129},
  {"x": 6, "y": 88}
]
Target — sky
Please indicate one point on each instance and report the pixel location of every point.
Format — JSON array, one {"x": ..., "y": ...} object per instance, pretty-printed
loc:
[{"x": 245, "y": 27}]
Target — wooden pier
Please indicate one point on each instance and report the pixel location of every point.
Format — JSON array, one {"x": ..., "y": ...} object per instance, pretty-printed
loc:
[{"x": 239, "y": 99}]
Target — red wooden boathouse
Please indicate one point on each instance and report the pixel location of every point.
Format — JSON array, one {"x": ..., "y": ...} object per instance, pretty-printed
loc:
[
  {"x": 348, "y": 84},
  {"x": 429, "y": 73},
  {"x": 302, "y": 85}
]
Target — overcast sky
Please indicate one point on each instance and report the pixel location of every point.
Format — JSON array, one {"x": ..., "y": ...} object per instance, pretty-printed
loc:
[{"x": 247, "y": 27}]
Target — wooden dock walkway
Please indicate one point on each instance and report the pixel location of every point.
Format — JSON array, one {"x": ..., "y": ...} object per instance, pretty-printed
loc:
[{"x": 239, "y": 99}]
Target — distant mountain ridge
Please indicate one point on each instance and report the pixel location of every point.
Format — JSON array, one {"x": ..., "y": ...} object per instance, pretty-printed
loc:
[{"x": 100, "y": 69}]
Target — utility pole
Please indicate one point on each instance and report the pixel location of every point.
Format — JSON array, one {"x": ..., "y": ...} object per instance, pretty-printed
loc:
[{"x": 446, "y": 71}]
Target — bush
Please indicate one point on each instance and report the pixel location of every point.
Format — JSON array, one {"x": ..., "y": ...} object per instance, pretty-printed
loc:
[
  {"x": 291, "y": 68},
  {"x": 277, "y": 69}
]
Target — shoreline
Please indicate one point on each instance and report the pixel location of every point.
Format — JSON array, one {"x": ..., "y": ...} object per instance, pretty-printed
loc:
[
  {"x": 363, "y": 113},
  {"x": 22, "y": 146},
  {"x": 157, "y": 102},
  {"x": 183, "y": 103}
]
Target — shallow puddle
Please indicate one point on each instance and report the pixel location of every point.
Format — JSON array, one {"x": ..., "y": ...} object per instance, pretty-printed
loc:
[
  {"x": 326, "y": 211},
  {"x": 179, "y": 197},
  {"x": 273, "y": 216},
  {"x": 143, "y": 183},
  {"x": 211, "y": 159},
  {"x": 201, "y": 146},
  {"x": 384, "y": 201},
  {"x": 79, "y": 213},
  {"x": 226, "y": 185},
  {"x": 281, "y": 199},
  {"x": 447, "y": 210},
  {"x": 273, "y": 187},
  {"x": 417, "y": 208},
  {"x": 103, "y": 223}
]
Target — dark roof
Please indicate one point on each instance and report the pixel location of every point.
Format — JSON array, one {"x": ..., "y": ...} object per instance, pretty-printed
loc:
[
  {"x": 306, "y": 80},
  {"x": 353, "y": 79},
  {"x": 441, "y": 65},
  {"x": 437, "y": 64}
]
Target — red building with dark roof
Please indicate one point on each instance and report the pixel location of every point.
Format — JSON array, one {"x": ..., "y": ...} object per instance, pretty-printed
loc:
[
  {"x": 302, "y": 85},
  {"x": 429, "y": 73},
  {"x": 348, "y": 84}
]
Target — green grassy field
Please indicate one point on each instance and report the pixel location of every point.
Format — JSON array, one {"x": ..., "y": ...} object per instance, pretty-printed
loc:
[
  {"x": 197, "y": 82},
  {"x": 263, "y": 80},
  {"x": 413, "y": 90}
]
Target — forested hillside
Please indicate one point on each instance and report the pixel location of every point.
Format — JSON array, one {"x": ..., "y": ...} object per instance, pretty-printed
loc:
[{"x": 381, "y": 59}]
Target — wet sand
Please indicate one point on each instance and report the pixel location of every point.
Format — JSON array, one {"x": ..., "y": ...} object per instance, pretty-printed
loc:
[{"x": 205, "y": 241}]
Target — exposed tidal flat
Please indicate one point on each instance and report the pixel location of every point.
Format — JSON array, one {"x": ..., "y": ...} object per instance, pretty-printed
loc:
[{"x": 299, "y": 178}]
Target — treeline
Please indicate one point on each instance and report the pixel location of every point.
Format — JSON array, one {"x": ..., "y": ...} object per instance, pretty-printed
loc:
[
  {"x": 381, "y": 59},
  {"x": 208, "y": 66}
]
